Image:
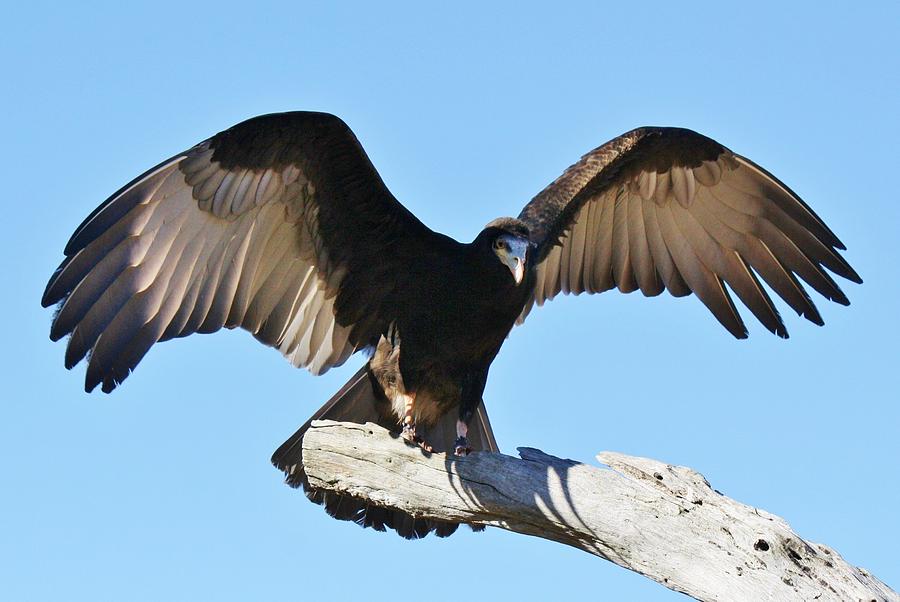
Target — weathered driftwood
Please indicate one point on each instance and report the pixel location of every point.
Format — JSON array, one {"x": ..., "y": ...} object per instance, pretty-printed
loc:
[{"x": 662, "y": 521}]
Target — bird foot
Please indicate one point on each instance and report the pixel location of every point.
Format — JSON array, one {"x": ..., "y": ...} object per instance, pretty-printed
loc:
[
  {"x": 461, "y": 447},
  {"x": 409, "y": 434}
]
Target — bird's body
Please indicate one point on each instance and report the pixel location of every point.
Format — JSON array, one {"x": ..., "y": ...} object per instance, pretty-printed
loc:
[
  {"x": 442, "y": 357},
  {"x": 281, "y": 226}
]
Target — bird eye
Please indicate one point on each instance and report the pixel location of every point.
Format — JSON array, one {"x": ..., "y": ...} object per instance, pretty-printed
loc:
[{"x": 499, "y": 244}]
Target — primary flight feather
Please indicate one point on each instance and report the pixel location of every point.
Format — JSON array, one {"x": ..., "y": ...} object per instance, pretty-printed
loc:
[{"x": 281, "y": 226}]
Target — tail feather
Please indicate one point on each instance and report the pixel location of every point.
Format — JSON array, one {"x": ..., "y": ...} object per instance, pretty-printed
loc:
[{"x": 357, "y": 401}]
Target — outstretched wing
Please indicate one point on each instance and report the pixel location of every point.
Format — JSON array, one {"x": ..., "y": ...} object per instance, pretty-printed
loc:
[
  {"x": 279, "y": 225},
  {"x": 667, "y": 208}
]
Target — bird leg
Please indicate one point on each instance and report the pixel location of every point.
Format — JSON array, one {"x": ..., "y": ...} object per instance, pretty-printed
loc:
[
  {"x": 470, "y": 400},
  {"x": 410, "y": 435},
  {"x": 409, "y": 425},
  {"x": 461, "y": 446}
]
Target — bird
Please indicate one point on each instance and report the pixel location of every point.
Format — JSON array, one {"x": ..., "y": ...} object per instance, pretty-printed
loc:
[{"x": 281, "y": 226}]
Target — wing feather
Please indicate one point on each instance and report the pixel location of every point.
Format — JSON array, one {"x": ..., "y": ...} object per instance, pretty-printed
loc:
[
  {"x": 668, "y": 208},
  {"x": 755, "y": 180},
  {"x": 782, "y": 247},
  {"x": 812, "y": 246},
  {"x": 243, "y": 199},
  {"x": 576, "y": 262},
  {"x": 269, "y": 226},
  {"x": 621, "y": 260},
  {"x": 552, "y": 284},
  {"x": 209, "y": 282},
  {"x": 592, "y": 224},
  {"x": 706, "y": 284},
  {"x": 188, "y": 269},
  {"x": 754, "y": 252},
  {"x": 639, "y": 249},
  {"x": 603, "y": 251},
  {"x": 731, "y": 267},
  {"x": 660, "y": 255}
]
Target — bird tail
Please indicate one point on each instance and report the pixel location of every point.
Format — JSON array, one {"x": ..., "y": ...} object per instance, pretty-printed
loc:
[{"x": 360, "y": 401}]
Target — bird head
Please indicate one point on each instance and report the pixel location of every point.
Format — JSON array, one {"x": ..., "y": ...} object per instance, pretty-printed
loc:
[{"x": 510, "y": 242}]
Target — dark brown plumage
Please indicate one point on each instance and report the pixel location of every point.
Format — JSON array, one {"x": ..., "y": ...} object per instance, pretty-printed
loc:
[
  {"x": 667, "y": 208},
  {"x": 281, "y": 226}
]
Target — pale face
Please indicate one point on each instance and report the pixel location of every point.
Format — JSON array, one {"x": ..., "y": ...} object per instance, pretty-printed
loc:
[{"x": 512, "y": 252}]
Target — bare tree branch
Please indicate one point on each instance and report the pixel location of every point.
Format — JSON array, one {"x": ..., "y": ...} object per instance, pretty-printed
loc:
[{"x": 662, "y": 521}]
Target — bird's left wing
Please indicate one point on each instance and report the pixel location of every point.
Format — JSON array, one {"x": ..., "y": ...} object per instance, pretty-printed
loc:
[
  {"x": 279, "y": 225},
  {"x": 667, "y": 208}
]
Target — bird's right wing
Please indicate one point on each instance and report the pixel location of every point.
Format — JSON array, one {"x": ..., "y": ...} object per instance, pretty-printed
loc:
[{"x": 279, "y": 225}]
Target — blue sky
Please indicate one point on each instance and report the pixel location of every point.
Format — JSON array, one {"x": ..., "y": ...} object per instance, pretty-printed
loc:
[{"x": 163, "y": 489}]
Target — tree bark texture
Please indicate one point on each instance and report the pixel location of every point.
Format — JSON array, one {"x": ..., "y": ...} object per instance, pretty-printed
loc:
[{"x": 660, "y": 520}]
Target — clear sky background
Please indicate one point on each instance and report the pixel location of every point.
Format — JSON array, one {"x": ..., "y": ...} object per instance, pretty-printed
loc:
[{"x": 163, "y": 490}]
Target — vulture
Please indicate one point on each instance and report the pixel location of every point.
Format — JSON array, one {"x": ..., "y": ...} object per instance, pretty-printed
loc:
[{"x": 281, "y": 225}]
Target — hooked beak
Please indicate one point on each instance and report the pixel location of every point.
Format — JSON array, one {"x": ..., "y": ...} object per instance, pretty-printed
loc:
[
  {"x": 517, "y": 267},
  {"x": 515, "y": 260}
]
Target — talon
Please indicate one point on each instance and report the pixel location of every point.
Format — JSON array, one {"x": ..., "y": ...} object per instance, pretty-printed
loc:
[
  {"x": 461, "y": 447},
  {"x": 409, "y": 434}
]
